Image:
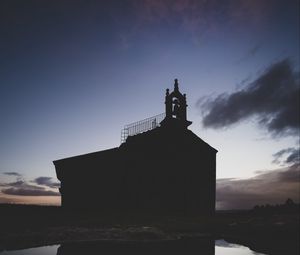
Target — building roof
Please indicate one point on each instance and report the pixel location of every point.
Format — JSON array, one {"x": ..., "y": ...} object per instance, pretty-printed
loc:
[{"x": 87, "y": 155}]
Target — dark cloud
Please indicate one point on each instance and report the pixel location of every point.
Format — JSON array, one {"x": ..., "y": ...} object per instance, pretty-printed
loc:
[
  {"x": 16, "y": 184},
  {"x": 291, "y": 175},
  {"x": 291, "y": 156},
  {"x": 29, "y": 192},
  {"x": 46, "y": 181},
  {"x": 269, "y": 187},
  {"x": 24, "y": 188},
  {"x": 13, "y": 184},
  {"x": 12, "y": 173},
  {"x": 273, "y": 99}
]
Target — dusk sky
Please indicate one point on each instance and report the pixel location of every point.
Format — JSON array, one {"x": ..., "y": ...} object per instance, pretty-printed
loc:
[{"x": 73, "y": 73}]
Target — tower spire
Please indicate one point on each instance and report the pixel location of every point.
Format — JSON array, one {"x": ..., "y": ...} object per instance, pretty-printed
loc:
[
  {"x": 176, "y": 107},
  {"x": 176, "y": 85}
]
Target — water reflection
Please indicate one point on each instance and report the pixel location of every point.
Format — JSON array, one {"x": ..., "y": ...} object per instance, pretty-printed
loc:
[
  {"x": 203, "y": 246},
  {"x": 224, "y": 248},
  {"x": 200, "y": 247},
  {"x": 45, "y": 250}
]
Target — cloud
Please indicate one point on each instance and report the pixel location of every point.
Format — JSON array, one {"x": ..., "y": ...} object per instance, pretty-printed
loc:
[
  {"x": 292, "y": 156},
  {"x": 13, "y": 184},
  {"x": 269, "y": 187},
  {"x": 291, "y": 175},
  {"x": 16, "y": 183},
  {"x": 29, "y": 192},
  {"x": 46, "y": 181},
  {"x": 24, "y": 188},
  {"x": 272, "y": 99},
  {"x": 12, "y": 173}
]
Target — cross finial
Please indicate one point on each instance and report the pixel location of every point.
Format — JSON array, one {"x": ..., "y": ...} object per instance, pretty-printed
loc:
[{"x": 176, "y": 85}]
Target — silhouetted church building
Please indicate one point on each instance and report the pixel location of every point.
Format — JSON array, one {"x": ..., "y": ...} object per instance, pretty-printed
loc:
[{"x": 161, "y": 167}]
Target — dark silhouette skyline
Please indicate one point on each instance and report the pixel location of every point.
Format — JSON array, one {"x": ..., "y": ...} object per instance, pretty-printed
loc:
[{"x": 166, "y": 169}]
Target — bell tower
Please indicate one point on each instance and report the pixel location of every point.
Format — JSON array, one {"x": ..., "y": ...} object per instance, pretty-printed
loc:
[{"x": 176, "y": 108}]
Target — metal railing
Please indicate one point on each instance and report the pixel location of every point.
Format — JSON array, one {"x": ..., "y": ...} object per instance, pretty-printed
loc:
[{"x": 141, "y": 126}]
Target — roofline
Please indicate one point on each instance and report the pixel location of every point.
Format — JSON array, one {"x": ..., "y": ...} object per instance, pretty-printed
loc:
[{"x": 81, "y": 155}]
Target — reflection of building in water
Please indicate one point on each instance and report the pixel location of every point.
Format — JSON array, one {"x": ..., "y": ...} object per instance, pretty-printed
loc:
[
  {"x": 183, "y": 247},
  {"x": 161, "y": 166}
]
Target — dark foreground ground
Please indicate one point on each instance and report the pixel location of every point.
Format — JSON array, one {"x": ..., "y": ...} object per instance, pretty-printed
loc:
[{"x": 24, "y": 226}]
